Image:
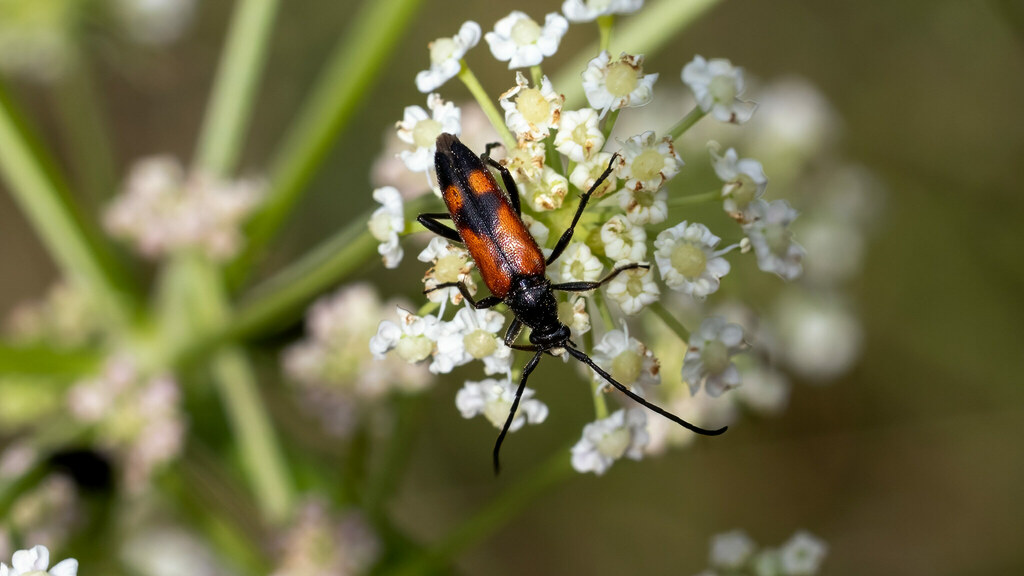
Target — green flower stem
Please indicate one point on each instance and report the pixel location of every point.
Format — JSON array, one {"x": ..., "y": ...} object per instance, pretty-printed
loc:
[
  {"x": 537, "y": 75},
  {"x": 41, "y": 360},
  {"x": 645, "y": 32},
  {"x": 85, "y": 125},
  {"x": 25, "y": 169},
  {"x": 605, "y": 23},
  {"x": 494, "y": 515},
  {"x": 356, "y": 64},
  {"x": 695, "y": 198},
  {"x": 686, "y": 123},
  {"x": 609, "y": 123},
  {"x": 497, "y": 118},
  {"x": 234, "y": 90},
  {"x": 670, "y": 321},
  {"x": 602, "y": 307},
  {"x": 236, "y": 382}
]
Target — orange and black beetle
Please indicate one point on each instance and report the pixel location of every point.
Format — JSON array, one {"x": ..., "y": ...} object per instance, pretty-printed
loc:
[{"x": 490, "y": 224}]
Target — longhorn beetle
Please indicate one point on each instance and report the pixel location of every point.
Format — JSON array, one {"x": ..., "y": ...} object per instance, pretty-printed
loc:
[{"x": 490, "y": 225}]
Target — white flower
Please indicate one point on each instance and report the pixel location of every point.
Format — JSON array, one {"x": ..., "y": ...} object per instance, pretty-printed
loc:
[
  {"x": 421, "y": 130},
  {"x": 451, "y": 264},
  {"x": 633, "y": 289},
  {"x": 520, "y": 41},
  {"x": 578, "y": 263},
  {"x": 619, "y": 84},
  {"x": 820, "y": 338},
  {"x": 473, "y": 335},
  {"x": 574, "y": 315},
  {"x": 526, "y": 161},
  {"x": 413, "y": 338},
  {"x": 319, "y": 541},
  {"x": 537, "y": 229},
  {"x": 586, "y": 173},
  {"x": 35, "y": 562},
  {"x": 445, "y": 56},
  {"x": 688, "y": 261},
  {"x": 708, "y": 357},
  {"x": 802, "y": 554},
  {"x": 717, "y": 85},
  {"x": 589, "y": 10},
  {"x": 772, "y": 239},
  {"x": 643, "y": 206},
  {"x": 579, "y": 136},
  {"x": 531, "y": 112},
  {"x": 626, "y": 359},
  {"x": 623, "y": 240},
  {"x": 624, "y": 433},
  {"x": 493, "y": 398},
  {"x": 546, "y": 193},
  {"x": 163, "y": 210},
  {"x": 745, "y": 181},
  {"x": 648, "y": 162},
  {"x": 156, "y": 21},
  {"x": 731, "y": 550},
  {"x": 765, "y": 390},
  {"x": 386, "y": 223}
]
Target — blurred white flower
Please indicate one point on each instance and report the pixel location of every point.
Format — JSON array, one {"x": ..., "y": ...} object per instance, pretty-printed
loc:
[
  {"x": 717, "y": 85},
  {"x": 386, "y": 223},
  {"x": 321, "y": 543},
  {"x": 162, "y": 210},
  {"x": 155, "y": 22},
  {"x": 731, "y": 550},
  {"x": 620, "y": 84},
  {"x": 834, "y": 249},
  {"x": 772, "y": 238},
  {"x": 688, "y": 261},
  {"x": 589, "y": 10},
  {"x": 708, "y": 357},
  {"x": 47, "y": 513},
  {"x": 493, "y": 399},
  {"x": 520, "y": 41},
  {"x": 765, "y": 390},
  {"x": 802, "y": 554},
  {"x": 34, "y": 562},
  {"x": 421, "y": 129},
  {"x": 623, "y": 434},
  {"x": 445, "y": 56},
  {"x": 37, "y": 38},
  {"x": 820, "y": 337},
  {"x": 531, "y": 113},
  {"x": 579, "y": 137}
]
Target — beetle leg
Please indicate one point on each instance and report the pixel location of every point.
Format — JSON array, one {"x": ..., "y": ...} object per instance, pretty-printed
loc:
[
  {"x": 506, "y": 177},
  {"x": 430, "y": 222},
  {"x": 567, "y": 235},
  {"x": 515, "y": 404},
  {"x": 489, "y": 302},
  {"x": 512, "y": 334},
  {"x": 585, "y": 286}
]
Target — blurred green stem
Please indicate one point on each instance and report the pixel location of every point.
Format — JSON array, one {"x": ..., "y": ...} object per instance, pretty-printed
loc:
[
  {"x": 234, "y": 90},
  {"x": 670, "y": 321},
  {"x": 645, "y": 32},
  {"x": 85, "y": 124},
  {"x": 53, "y": 217},
  {"x": 695, "y": 198},
  {"x": 686, "y": 123},
  {"x": 492, "y": 517},
  {"x": 487, "y": 105},
  {"x": 356, "y": 64},
  {"x": 605, "y": 23},
  {"x": 45, "y": 361}
]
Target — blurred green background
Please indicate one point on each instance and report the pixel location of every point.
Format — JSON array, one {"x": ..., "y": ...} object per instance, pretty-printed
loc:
[{"x": 911, "y": 464}]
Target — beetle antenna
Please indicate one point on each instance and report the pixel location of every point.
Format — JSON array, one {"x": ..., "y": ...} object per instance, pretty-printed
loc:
[
  {"x": 579, "y": 355},
  {"x": 515, "y": 405}
]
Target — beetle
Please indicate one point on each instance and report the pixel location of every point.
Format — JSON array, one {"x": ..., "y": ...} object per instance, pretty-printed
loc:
[{"x": 489, "y": 223}]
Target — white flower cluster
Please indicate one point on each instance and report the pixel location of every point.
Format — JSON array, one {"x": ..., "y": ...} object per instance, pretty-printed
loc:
[
  {"x": 318, "y": 542},
  {"x": 332, "y": 369},
  {"x": 163, "y": 210},
  {"x": 554, "y": 153},
  {"x": 139, "y": 417},
  {"x": 736, "y": 554}
]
